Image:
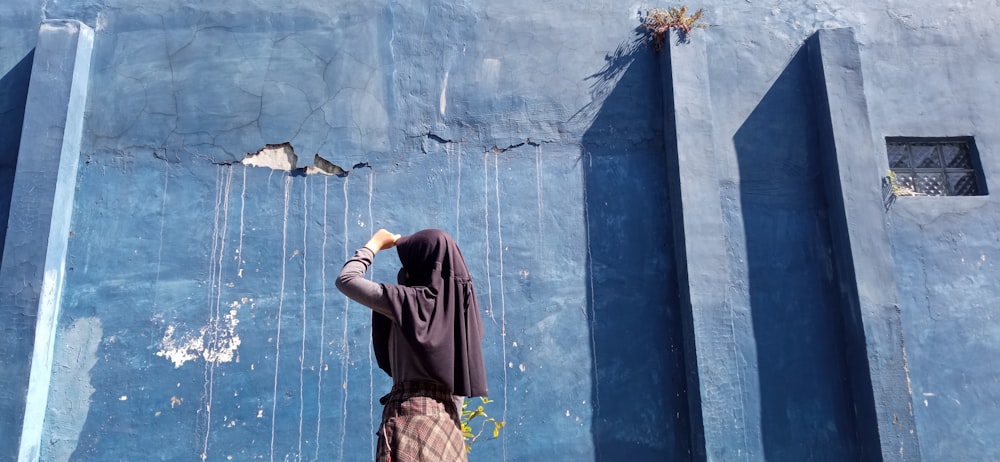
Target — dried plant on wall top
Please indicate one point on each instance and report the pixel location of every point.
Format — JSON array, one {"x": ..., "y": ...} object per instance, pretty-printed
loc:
[{"x": 658, "y": 22}]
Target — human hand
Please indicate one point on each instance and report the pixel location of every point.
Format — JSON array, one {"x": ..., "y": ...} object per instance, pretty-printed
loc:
[{"x": 381, "y": 240}]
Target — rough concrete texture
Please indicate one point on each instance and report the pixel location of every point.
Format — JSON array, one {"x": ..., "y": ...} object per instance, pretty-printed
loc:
[
  {"x": 38, "y": 229},
  {"x": 198, "y": 320}
]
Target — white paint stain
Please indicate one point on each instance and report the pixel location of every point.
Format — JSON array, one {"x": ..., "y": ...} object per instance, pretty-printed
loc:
[{"x": 216, "y": 342}]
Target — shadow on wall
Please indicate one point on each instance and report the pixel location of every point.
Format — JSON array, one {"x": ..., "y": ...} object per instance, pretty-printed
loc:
[
  {"x": 13, "y": 95},
  {"x": 16, "y": 329},
  {"x": 807, "y": 407},
  {"x": 639, "y": 387}
]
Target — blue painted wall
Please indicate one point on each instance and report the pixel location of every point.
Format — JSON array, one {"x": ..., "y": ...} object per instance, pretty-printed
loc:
[
  {"x": 805, "y": 398},
  {"x": 197, "y": 317}
]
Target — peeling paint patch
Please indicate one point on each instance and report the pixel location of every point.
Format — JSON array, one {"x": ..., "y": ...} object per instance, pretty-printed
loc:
[
  {"x": 282, "y": 157},
  {"x": 325, "y": 167},
  {"x": 273, "y": 156},
  {"x": 216, "y": 342},
  {"x": 69, "y": 399}
]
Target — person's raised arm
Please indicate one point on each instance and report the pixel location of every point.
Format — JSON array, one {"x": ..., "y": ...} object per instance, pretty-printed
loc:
[
  {"x": 351, "y": 280},
  {"x": 381, "y": 240}
]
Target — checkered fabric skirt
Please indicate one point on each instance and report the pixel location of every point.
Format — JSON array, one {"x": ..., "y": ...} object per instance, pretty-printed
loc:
[{"x": 420, "y": 423}]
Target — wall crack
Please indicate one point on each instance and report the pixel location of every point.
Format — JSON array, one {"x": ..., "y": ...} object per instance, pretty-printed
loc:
[{"x": 282, "y": 157}]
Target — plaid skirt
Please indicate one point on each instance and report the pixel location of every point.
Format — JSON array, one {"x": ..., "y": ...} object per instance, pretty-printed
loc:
[{"x": 420, "y": 423}]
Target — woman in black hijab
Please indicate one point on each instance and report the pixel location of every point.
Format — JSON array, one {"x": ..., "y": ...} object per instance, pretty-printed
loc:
[{"x": 427, "y": 335}]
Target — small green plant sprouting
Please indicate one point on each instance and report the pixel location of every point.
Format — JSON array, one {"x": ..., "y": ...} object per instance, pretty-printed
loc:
[
  {"x": 900, "y": 190},
  {"x": 658, "y": 22},
  {"x": 468, "y": 433}
]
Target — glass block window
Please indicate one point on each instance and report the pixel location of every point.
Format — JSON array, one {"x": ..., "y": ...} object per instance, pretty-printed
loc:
[{"x": 935, "y": 166}]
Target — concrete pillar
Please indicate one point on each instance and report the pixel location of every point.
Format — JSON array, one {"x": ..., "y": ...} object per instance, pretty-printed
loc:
[
  {"x": 31, "y": 275},
  {"x": 863, "y": 255},
  {"x": 718, "y": 335}
]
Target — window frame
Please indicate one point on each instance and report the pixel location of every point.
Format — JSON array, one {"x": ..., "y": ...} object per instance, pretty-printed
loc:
[{"x": 971, "y": 149}]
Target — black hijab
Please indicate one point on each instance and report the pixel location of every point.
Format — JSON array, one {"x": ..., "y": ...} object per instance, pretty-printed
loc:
[{"x": 437, "y": 311}]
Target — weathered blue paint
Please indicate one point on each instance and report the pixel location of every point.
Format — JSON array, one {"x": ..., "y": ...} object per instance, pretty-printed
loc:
[
  {"x": 639, "y": 385},
  {"x": 13, "y": 94},
  {"x": 20, "y": 30},
  {"x": 31, "y": 280},
  {"x": 869, "y": 305},
  {"x": 805, "y": 400},
  {"x": 633, "y": 251},
  {"x": 944, "y": 249},
  {"x": 712, "y": 322}
]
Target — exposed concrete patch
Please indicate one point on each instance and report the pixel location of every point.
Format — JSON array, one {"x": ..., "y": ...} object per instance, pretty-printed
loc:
[
  {"x": 216, "y": 342},
  {"x": 282, "y": 157},
  {"x": 69, "y": 399},
  {"x": 325, "y": 167},
  {"x": 273, "y": 156}
]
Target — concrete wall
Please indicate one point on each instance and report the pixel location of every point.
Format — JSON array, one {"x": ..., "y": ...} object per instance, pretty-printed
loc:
[{"x": 680, "y": 256}]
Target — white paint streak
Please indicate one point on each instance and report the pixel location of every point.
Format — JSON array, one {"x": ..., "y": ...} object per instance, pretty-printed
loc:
[
  {"x": 503, "y": 307},
  {"x": 486, "y": 230},
  {"x": 159, "y": 250},
  {"x": 345, "y": 346},
  {"x": 592, "y": 313},
  {"x": 302, "y": 352},
  {"x": 239, "y": 248},
  {"x": 281, "y": 304},
  {"x": 216, "y": 259},
  {"x": 538, "y": 191},
  {"x": 217, "y": 341},
  {"x": 458, "y": 192},
  {"x": 443, "y": 100},
  {"x": 322, "y": 325}
]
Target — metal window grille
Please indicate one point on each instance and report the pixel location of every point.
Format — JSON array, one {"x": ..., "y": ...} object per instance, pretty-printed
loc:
[{"x": 934, "y": 167}]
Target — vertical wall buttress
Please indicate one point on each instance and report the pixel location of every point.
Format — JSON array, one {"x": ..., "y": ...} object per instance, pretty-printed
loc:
[
  {"x": 718, "y": 379},
  {"x": 39, "y": 226},
  {"x": 729, "y": 409},
  {"x": 862, "y": 250}
]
